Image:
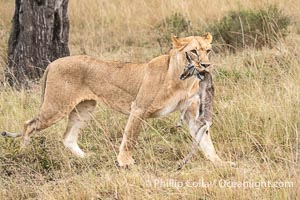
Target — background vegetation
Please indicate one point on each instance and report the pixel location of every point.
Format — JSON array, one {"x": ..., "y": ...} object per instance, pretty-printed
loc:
[
  {"x": 257, "y": 108},
  {"x": 251, "y": 28}
]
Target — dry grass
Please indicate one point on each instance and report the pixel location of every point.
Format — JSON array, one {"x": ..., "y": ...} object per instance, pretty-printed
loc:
[{"x": 256, "y": 124}]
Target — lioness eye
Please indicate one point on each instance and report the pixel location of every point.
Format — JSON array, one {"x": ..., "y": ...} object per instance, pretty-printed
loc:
[
  {"x": 208, "y": 51},
  {"x": 194, "y": 52}
]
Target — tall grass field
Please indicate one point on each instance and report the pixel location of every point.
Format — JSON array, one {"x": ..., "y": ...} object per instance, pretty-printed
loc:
[{"x": 256, "y": 111}]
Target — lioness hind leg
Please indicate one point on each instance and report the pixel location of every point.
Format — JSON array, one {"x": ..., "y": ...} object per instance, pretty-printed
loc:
[
  {"x": 45, "y": 119},
  {"x": 77, "y": 121}
]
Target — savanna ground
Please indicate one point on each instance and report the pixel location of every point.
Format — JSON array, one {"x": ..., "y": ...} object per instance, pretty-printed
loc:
[{"x": 256, "y": 123}]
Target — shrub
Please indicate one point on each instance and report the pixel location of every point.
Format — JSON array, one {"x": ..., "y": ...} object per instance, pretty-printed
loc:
[
  {"x": 251, "y": 28},
  {"x": 176, "y": 24}
]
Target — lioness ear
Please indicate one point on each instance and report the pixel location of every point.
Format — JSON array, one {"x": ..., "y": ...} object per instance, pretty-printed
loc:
[
  {"x": 208, "y": 37},
  {"x": 176, "y": 42}
]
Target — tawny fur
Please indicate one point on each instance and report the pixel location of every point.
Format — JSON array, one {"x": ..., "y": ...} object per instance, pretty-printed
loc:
[{"x": 73, "y": 85}]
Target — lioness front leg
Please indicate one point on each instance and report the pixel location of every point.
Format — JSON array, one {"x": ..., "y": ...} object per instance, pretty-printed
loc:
[
  {"x": 131, "y": 133},
  {"x": 206, "y": 144},
  {"x": 208, "y": 149}
]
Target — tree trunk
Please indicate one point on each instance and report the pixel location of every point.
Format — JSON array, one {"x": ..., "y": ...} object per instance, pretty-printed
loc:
[{"x": 39, "y": 36}]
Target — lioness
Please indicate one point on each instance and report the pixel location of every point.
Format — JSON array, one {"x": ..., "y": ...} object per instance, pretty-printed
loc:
[{"x": 72, "y": 86}]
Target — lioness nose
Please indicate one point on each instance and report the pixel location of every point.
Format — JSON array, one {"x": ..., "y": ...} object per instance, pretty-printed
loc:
[{"x": 205, "y": 65}]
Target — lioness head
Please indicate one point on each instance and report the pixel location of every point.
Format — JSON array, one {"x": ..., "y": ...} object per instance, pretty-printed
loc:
[{"x": 196, "y": 50}]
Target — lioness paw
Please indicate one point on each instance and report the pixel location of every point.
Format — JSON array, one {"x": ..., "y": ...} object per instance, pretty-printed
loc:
[
  {"x": 125, "y": 160},
  {"x": 225, "y": 164}
]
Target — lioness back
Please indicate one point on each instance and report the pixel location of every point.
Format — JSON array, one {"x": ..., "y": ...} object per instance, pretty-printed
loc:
[{"x": 73, "y": 79}]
